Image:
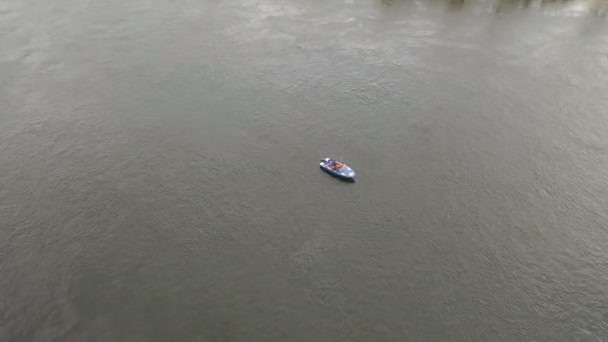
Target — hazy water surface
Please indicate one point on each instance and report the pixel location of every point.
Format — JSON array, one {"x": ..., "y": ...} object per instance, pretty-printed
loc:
[{"x": 159, "y": 178}]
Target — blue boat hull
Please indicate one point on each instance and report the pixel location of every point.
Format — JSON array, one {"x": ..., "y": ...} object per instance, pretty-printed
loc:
[{"x": 344, "y": 173}]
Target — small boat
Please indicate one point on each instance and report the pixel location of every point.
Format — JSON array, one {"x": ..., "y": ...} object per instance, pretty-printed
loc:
[{"x": 338, "y": 169}]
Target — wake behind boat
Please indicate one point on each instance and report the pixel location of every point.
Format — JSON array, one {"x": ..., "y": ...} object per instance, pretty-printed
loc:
[{"x": 337, "y": 169}]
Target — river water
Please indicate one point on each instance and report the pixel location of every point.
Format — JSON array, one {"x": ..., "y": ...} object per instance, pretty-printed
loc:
[{"x": 159, "y": 172}]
